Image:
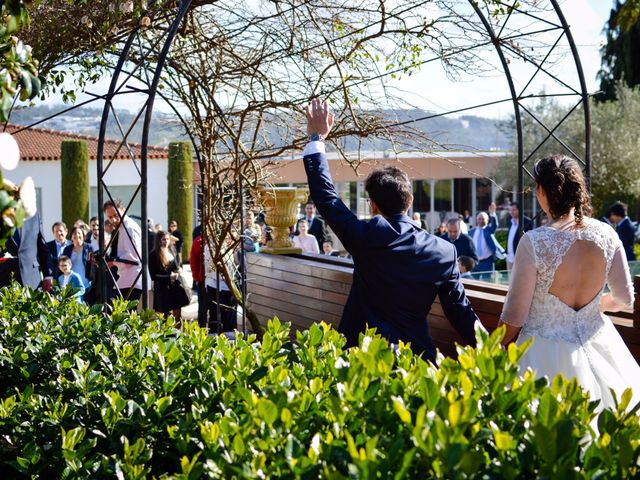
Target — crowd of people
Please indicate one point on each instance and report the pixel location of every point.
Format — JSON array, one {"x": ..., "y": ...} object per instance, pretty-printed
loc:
[
  {"x": 479, "y": 249},
  {"x": 557, "y": 292}
]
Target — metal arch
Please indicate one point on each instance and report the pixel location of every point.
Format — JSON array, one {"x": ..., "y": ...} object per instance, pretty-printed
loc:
[
  {"x": 583, "y": 88},
  {"x": 514, "y": 98},
  {"x": 148, "y": 107},
  {"x": 584, "y": 96}
]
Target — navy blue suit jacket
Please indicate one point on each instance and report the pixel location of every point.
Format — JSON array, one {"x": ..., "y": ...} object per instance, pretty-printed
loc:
[
  {"x": 496, "y": 249},
  {"x": 528, "y": 225},
  {"x": 464, "y": 246},
  {"x": 627, "y": 234},
  {"x": 398, "y": 271}
]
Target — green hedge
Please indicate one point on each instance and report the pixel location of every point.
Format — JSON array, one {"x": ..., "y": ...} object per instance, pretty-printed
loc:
[
  {"x": 180, "y": 191},
  {"x": 74, "y": 172},
  {"x": 88, "y": 395}
]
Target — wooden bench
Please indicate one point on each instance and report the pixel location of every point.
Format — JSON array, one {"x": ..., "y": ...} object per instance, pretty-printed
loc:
[{"x": 303, "y": 289}]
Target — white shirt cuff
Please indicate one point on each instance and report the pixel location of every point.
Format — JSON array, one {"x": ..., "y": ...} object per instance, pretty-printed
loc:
[{"x": 313, "y": 147}]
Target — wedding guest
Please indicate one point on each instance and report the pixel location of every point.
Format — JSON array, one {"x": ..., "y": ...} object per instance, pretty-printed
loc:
[
  {"x": 625, "y": 228},
  {"x": 69, "y": 277},
  {"x": 168, "y": 297},
  {"x": 177, "y": 240},
  {"x": 462, "y": 242},
  {"x": 303, "y": 240},
  {"x": 515, "y": 232},
  {"x": 466, "y": 266},
  {"x": 442, "y": 230},
  {"x": 487, "y": 247},
  {"x": 315, "y": 224},
  {"x": 57, "y": 245},
  {"x": 327, "y": 248},
  {"x": 80, "y": 254}
]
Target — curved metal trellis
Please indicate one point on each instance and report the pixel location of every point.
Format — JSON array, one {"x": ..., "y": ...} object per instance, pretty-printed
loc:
[{"x": 138, "y": 64}]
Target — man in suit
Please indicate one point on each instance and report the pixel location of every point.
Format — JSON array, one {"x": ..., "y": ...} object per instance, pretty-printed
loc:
[
  {"x": 31, "y": 263},
  {"x": 487, "y": 247},
  {"x": 126, "y": 250},
  {"x": 57, "y": 245},
  {"x": 515, "y": 232},
  {"x": 316, "y": 224},
  {"x": 399, "y": 269},
  {"x": 626, "y": 230},
  {"x": 463, "y": 243}
]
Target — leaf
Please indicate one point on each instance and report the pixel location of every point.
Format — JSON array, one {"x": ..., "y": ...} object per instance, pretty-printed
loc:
[
  {"x": 267, "y": 410},
  {"x": 455, "y": 412},
  {"x": 504, "y": 441},
  {"x": 401, "y": 410},
  {"x": 315, "y": 335}
]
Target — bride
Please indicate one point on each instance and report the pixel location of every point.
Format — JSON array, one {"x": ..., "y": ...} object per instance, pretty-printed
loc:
[{"x": 557, "y": 290}]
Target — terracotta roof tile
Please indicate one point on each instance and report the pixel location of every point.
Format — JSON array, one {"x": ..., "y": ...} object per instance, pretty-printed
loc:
[{"x": 44, "y": 144}]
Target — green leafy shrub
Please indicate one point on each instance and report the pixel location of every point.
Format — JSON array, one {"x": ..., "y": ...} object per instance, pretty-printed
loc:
[{"x": 89, "y": 395}]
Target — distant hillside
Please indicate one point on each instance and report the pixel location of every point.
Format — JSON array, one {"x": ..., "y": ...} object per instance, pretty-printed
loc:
[{"x": 460, "y": 133}]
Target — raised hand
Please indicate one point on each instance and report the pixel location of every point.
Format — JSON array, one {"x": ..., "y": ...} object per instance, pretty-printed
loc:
[{"x": 319, "y": 119}]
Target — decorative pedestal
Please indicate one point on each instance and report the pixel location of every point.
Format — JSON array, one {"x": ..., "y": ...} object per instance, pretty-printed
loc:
[{"x": 281, "y": 211}]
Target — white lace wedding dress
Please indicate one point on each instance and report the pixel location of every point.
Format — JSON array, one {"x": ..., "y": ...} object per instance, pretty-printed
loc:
[{"x": 583, "y": 342}]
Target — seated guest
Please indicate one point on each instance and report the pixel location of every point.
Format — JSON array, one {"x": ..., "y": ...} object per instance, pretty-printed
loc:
[
  {"x": 303, "y": 240},
  {"x": 466, "y": 266},
  {"x": 69, "y": 277},
  {"x": 463, "y": 243},
  {"x": 418, "y": 219},
  {"x": 252, "y": 233},
  {"x": 315, "y": 225},
  {"x": 327, "y": 248}
]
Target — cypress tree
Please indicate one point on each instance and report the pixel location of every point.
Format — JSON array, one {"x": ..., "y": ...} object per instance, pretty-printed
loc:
[
  {"x": 180, "y": 191},
  {"x": 74, "y": 173}
]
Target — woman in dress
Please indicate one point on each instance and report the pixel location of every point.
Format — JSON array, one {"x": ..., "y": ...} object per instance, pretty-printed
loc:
[
  {"x": 557, "y": 290},
  {"x": 308, "y": 243},
  {"x": 80, "y": 254},
  {"x": 165, "y": 272}
]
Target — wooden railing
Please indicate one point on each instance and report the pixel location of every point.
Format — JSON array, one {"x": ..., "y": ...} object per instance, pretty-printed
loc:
[{"x": 305, "y": 289}]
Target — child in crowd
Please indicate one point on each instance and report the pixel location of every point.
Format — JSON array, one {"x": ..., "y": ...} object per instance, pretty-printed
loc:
[
  {"x": 69, "y": 277},
  {"x": 466, "y": 266}
]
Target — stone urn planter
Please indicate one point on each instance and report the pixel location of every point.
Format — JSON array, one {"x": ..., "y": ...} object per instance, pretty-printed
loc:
[{"x": 282, "y": 205}]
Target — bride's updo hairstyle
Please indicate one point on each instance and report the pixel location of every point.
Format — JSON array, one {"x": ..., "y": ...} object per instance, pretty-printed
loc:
[{"x": 562, "y": 180}]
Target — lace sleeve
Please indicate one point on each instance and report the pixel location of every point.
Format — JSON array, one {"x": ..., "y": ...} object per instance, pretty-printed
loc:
[
  {"x": 619, "y": 278},
  {"x": 522, "y": 285}
]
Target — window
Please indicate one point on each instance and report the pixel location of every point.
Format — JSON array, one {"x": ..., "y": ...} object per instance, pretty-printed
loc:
[
  {"x": 443, "y": 194},
  {"x": 121, "y": 192}
]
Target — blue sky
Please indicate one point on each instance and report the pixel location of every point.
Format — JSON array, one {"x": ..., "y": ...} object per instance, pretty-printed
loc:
[{"x": 432, "y": 90}]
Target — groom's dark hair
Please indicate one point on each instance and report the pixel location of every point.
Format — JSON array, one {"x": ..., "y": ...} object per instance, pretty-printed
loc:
[{"x": 390, "y": 189}]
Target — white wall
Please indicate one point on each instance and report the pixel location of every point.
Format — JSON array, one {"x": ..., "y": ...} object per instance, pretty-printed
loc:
[{"x": 46, "y": 176}]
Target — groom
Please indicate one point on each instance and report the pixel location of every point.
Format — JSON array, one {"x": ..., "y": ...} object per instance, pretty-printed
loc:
[{"x": 398, "y": 267}]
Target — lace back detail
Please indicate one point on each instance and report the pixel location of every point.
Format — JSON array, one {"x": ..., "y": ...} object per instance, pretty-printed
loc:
[
  {"x": 548, "y": 316},
  {"x": 550, "y": 246}
]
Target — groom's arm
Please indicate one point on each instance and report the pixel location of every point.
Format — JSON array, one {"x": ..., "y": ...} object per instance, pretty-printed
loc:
[
  {"x": 338, "y": 216},
  {"x": 457, "y": 308}
]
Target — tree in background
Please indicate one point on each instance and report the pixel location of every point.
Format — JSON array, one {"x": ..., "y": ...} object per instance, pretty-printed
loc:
[
  {"x": 615, "y": 164},
  {"x": 18, "y": 69},
  {"x": 180, "y": 191},
  {"x": 620, "y": 55},
  {"x": 74, "y": 170}
]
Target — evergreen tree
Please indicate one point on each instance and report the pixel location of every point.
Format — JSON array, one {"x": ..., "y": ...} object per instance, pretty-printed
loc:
[
  {"x": 74, "y": 170},
  {"x": 180, "y": 191},
  {"x": 620, "y": 55}
]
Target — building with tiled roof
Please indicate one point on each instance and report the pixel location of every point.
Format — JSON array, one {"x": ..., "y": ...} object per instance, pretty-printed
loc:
[
  {"x": 40, "y": 154},
  {"x": 44, "y": 144}
]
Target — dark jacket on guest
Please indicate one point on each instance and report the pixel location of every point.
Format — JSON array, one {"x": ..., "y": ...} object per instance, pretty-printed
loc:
[
  {"x": 627, "y": 233},
  {"x": 464, "y": 246},
  {"x": 32, "y": 261}
]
